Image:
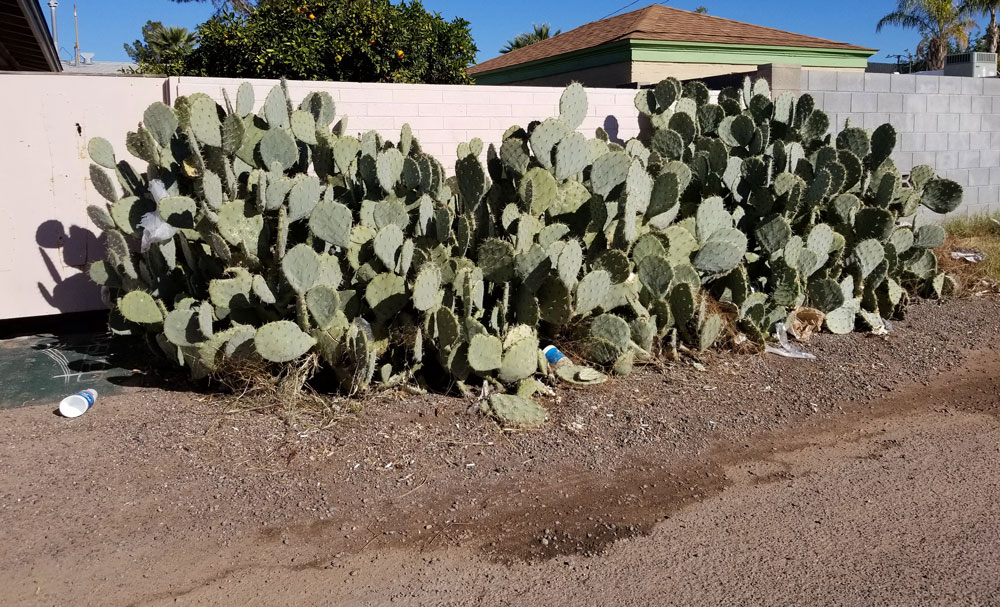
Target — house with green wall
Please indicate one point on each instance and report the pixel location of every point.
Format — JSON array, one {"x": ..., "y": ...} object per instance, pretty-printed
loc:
[{"x": 652, "y": 43}]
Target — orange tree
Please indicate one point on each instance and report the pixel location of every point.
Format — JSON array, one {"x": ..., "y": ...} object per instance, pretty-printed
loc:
[{"x": 355, "y": 40}]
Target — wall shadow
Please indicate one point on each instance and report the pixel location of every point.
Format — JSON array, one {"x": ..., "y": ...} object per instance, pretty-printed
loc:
[
  {"x": 74, "y": 248},
  {"x": 611, "y": 127}
]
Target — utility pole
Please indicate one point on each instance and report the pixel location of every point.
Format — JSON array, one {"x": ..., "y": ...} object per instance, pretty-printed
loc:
[
  {"x": 76, "y": 48},
  {"x": 53, "y": 4}
]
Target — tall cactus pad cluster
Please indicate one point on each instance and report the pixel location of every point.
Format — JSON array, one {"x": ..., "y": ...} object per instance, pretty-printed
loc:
[{"x": 291, "y": 237}]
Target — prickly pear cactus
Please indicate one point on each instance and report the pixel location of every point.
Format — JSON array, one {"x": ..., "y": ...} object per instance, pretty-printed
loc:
[{"x": 286, "y": 238}]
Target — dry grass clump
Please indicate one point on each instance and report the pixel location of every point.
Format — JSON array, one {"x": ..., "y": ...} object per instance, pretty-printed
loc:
[
  {"x": 976, "y": 234},
  {"x": 255, "y": 385}
]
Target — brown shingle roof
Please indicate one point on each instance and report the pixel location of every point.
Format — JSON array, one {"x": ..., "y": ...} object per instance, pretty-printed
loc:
[{"x": 658, "y": 22}]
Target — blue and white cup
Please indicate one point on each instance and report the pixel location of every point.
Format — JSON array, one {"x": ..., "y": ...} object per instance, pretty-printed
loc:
[
  {"x": 553, "y": 355},
  {"x": 77, "y": 404}
]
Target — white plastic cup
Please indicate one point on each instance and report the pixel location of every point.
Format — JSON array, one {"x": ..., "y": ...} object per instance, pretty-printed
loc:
[{"x": 77, "y": 404}]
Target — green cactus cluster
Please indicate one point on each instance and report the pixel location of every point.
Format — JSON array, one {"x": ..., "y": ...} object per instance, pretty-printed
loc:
[{"x": 293, "y": 237}]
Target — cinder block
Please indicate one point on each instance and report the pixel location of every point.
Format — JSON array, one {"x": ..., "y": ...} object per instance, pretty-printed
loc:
[
  {"x": 874, "y": 120},
  {"x": 991, "y": 122},
  {"x": 377, "y": 95},
  {"x": 903, "y": 161},
  {"x": 877, "y": 83},
  {"x": 982, "y": 104},
  {"x": 923, "y": 158},
  {"x": 903, "y": 123},
  {"x": 989, "y": 194},
  {"x": 890, "y": 102},
  {"x": 960, "y": 104},
  {"x": 902, "y": 83},
  {"x": 970, "y": 123},
  {"x": 382, "y": 124},
  {"x": 853, "y": 82},
  {"x": 446, "y": 110},
  {"x": 466, "y": 122},
  {"x": 958, "y": 141},
  {"x": 865, "y": 102},
  {"x": 945, "y": 161},
  {"x": 834, "y": 102},
  {"x": 487, "y": 110},
  {"x": 989, "y": 158},
  {"x": 914, "y": 103},
  {"x": 979, "y": 140},
  {"x": 960, "y": 176},
  {"x": 950, "y": 85},
  {"x": 821, "y": 80},
  {"x": 991, "y": 86},
  {"x": 979, "y": 177},
  {"x": 927, "y": 84},
  {"x": 996, "y": 105},
  {"x": 528, "y": 110},
  {"x": 445, "y": 137},
  {"x": 419, "y": 124},
  {"x": 818, "y": 97},
  {"x": 972, "y": 86},
  {"x": 925, "y": 122},
  {"x": 968, "y": 159},
  {"x": 912, "y": 142},
  {"x": 937, "y": 103},
  {"x": 970, "y": 194},
  {"x": 392, "y": 109},
  {"x": 353, "y": 110},
  {"x": 994, "y": 141},
  {"x": 936, "y": 142},
  {"x": 995, "y": 176},
  {"x": 947, "y": 123},
  {"x": 418, "y": 95}
]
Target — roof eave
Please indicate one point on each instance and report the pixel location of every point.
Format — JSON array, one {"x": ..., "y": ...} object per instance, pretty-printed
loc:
[{"x": 36, "y": 21}]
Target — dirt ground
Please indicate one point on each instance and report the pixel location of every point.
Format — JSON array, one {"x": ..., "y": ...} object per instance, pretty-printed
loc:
[{"x": 866, "y": 477}]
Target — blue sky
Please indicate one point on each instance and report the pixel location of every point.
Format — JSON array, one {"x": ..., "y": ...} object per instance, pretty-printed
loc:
[{"x": 105, "y": 25}]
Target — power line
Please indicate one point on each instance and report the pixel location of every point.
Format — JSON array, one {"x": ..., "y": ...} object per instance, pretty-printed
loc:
[{"x": 623, "y": 8}]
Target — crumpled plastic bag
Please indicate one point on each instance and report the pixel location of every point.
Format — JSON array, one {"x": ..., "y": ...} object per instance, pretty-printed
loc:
[
  {"x": 969, "y": 256},
  {"x": 154, "y": 229},
  {"x": 787, "y": 349},
  {"x": 158, "y": 190}
]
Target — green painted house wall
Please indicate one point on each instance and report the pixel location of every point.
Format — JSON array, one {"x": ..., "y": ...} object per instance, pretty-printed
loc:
[{"x": 657, "y": 51}]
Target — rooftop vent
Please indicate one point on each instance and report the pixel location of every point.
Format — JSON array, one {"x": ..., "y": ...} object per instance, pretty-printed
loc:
[
  {"x": 88, "y": 59},
  {"x": 971, "y": 65}
]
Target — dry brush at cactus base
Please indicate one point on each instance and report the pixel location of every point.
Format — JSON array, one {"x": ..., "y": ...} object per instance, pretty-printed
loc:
[{"x": 295, "y": 239}]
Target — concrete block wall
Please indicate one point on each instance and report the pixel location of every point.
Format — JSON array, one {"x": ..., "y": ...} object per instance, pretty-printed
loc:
[
  {"x": 950, "y": 123},
  {"x": 441, "y": 116}
]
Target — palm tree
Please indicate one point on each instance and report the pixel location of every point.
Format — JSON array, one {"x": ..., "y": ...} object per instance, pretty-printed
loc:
[
  {"x": 539, "y": 33},
  {"x": 982, "y": 7},
  {"x": 938, "y": 21},
  {"x": 167, "y": 40}
]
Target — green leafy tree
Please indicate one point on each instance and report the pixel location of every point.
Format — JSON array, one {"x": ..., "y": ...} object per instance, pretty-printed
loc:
[
  {"x": 356, "y": 40},
  {"x": 701, "y": 10},
  {"x": 940, "y": 23},
  {"x": 162, "y": 50},
  {"x": 986, "y": 7},
  {"x": 240, "y": 6},
  {"x": 538, "y": 33}
]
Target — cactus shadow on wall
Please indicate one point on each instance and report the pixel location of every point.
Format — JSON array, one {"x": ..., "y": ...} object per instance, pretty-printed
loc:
[
  {"x": 611, "y": 128},
  {"x": 67, "y": 254}
]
